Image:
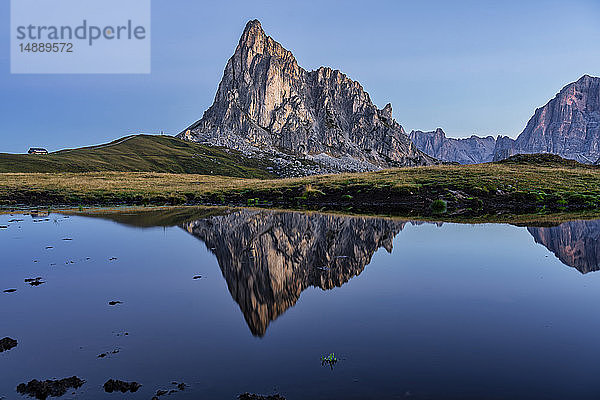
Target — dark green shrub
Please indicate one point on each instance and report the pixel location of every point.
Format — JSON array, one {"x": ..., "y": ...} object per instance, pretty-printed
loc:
[{"x": 439, "y": 206}]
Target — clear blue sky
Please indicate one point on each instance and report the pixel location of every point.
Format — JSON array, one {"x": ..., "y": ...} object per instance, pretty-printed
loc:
[{"x": 466, "y": 66}]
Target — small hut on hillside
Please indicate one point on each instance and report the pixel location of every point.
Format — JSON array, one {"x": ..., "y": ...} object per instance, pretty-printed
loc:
[{"x": 37, "y": 150}]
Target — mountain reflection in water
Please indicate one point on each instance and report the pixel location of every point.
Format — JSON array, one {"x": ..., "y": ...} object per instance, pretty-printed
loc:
[
  {"x": 574, "y": 243},
  {"x": 269, "y": 257}
]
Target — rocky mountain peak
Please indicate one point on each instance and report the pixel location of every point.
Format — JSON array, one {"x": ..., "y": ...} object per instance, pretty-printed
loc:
[
  {"x": 587, "y": 79},
  {"x": 568, "y": 125},
  {"x": 255, "y": 45},
  {"x": 266, "y": 104},
  {"x": 254, "y": 37},
  {"x": 386, "y": 112},
  {"x": 253, "y": 28}
]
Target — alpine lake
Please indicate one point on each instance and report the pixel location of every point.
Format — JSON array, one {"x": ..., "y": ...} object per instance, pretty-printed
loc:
[{"x": 205, "y": 303}]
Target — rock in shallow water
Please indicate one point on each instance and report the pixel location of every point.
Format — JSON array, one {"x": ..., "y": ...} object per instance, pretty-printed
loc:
[
  {"x": 49, "y": 388},
  {"x": 35, "y": 281},
  {"x": 115, "y": 385},
  {"x": 250, "y": 396},
  {"x": 7, "y": 344}
]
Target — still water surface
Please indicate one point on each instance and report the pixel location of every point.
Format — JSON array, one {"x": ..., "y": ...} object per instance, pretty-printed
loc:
[{"x": 411, "y": 310}]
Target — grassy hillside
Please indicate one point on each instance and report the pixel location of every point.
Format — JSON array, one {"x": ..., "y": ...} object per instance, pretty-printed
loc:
[
  {"x": 523, "y": 185},
  {"x": 146, "y": 153}
]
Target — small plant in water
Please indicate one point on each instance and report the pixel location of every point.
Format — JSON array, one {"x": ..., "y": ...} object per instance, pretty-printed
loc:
[{"x": 329, "y": 360}]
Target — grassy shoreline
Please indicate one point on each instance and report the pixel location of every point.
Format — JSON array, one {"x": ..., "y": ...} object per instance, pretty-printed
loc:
[
  {"x": 174, "y": 215},
  {"x": 538, "y": 185}
]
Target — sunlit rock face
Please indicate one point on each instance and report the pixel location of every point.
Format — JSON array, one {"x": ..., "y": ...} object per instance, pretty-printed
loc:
[
  {"x": 269, "y": 258},
  {"x": 568, "y": 125},
  {"x": 575, "y": 243},
  {"x": 266, "y": 102}
]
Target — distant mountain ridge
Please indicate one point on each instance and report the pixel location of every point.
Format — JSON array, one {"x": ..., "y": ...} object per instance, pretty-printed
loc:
[
  {"x": 568, "y": 125},
  {"x": 472, "y": 150},
  {"x": 268, "y": 104}
]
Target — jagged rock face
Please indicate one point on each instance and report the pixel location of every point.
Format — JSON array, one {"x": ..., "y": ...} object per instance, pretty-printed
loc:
[
  {"x": 504, "y": 148},
  {"x": 575, "y": 243},
  {"x": 269, "y": 258},
  {"x": 472, "y": 150},
  {"x": 568, "y": 125},
  {"x": 266, "y": 102}
]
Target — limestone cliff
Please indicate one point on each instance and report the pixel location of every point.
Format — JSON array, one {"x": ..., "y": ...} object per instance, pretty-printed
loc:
[{"x": 267, "y": 104}]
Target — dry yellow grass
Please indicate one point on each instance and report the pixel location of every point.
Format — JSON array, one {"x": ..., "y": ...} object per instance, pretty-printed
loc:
[
  {"x": 522, "y": 177},
  {"x": 547, "y": 185}
]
